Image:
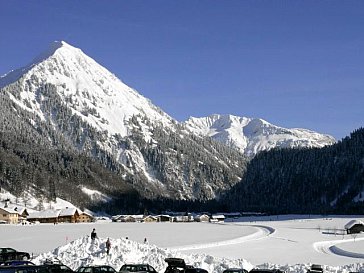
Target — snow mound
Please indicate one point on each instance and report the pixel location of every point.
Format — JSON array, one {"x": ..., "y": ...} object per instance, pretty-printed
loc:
[{"x": 84, "y": 251}]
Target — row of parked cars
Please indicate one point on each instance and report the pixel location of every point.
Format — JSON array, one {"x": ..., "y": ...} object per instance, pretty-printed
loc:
[{"x": 12, "y": 261}]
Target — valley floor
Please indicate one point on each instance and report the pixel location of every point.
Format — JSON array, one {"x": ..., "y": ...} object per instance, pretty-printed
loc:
[{"x": 280, "y": 240}]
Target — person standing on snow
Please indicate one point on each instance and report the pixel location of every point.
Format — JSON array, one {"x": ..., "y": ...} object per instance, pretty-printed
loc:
[
  {"x": 108, "y": 246},
  {"x": 93, "y": 234}
]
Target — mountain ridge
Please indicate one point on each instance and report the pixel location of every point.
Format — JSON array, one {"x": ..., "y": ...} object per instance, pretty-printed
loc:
[
  {"x": 252, "y": 135},
  {"x": 66, "y": 100}
]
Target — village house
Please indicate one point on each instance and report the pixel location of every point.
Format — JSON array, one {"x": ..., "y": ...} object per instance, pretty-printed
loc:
[
  {"x": 202, "y": 218},
  {"x": 150, "y": 219},
  {"x": 217, "y": 218},
  {"x": 128, "y": 218},
  {"x": 44, "y": 216},
  {"x": 164, "y": 218},
  {"x": 22, "y": 211},
  {"x": 354, "y": 226},
  {"x": 84, "y": 217},
  {"x": 9, "y": 215},
  {"x": 68, "y": 215}
]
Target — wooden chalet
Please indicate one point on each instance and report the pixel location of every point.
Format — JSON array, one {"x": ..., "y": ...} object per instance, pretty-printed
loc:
[
  {"x": 164, "y": 218},
  {"x": 68, "y": 215},
  {"x": 150, "y": 219},
  {"x": 44, "y": 216},
  {"x": 354, "y": 226},
  {"x": 84, "y": 217}
]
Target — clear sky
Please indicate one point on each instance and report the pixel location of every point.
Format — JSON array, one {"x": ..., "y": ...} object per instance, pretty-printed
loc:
[{"x": 292, "y": 63}]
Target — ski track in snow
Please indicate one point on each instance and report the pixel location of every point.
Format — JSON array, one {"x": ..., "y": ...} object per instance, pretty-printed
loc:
[
  {"x": 331, "y": 248},
  {"x": 262, "y": 232}
]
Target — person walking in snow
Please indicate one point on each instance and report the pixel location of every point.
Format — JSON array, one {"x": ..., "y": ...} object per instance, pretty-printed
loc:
[
  {"x": 145, "y": 240},
  {"x": 108, "y": 246},
  {"x": 93, "y": 234}
]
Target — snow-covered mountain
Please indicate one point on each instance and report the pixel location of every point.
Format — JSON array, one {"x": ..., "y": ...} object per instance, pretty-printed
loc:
[
  {"x": 66, "y": 100},
  {"x": 251, "y": 135},
  {"x": 90, "y": 90}
]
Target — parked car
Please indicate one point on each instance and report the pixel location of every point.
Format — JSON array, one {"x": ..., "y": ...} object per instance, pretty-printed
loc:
[
  {"x": 175, "y": 265},
  {"x": 96, "y": 269},
  {"x": 258, "y": 270},
  {"x": 10, "y": 254},
  {"x": 16, "y": 263},
  {"x": 235, "y": 270},
  {"x": 127, "y": 268},
  {"x": 23, "y": 269},
  {"x": 56, "y": 267},
  {"x": 195, "y": 270},
  {"x": 178, "y": 265},
  {"x": 315, "y": 268}
]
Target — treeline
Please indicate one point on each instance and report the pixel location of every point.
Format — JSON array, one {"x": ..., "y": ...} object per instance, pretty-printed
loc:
[
  {"x": 50, "y": 155},
  {"x": 184, "y": 164},
  {"x": 159, "y": 168},
  {"x": 330, "y": 179},
  {"x": 39, "y": 160}
]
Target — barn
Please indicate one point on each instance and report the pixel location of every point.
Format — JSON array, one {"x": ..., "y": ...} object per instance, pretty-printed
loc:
[{"x": 354, "y": 226}]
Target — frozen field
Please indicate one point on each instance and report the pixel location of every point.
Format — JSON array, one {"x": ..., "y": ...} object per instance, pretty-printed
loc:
[{"x": 289, "y": 242}]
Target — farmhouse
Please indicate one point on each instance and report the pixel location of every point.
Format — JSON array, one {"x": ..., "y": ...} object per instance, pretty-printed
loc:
[
  {"x": 217, "y": 218},
  {"x": 68, "y": 215},
  {"x": 9, "y": 215},
  {"x": 150, "y": 219},
  {"x": 164, "y": 218},
  {"x": 128, "y": 218},
  {"x": 44, "y": 216},
  {"x": 84, "y": 217},
  {"x": 202, "y": 218},
  {"x": 22, "y": 211},
  {"x": 354, "y": 226}
]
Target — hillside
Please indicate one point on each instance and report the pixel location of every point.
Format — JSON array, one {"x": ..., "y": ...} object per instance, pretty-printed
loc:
[
  {"x": 64, "y": 101},
  {"x": 330, "y": 179}
]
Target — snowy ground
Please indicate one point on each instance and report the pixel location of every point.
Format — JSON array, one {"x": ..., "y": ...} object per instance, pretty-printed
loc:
[{"x": 290, "y": 242}]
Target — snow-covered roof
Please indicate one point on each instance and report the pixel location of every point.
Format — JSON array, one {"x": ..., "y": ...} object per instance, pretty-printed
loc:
[
  {"x": 150, "y": 217},
  {"x": 202, "y": 215},
  {"x": 19, "y": 209},
  {"x": 68, "y": 212},
  {"x": 50, "y": 213},
  {"x": 85, "y": 213},
  {"x": 218, "y": 216},
  {"x": 9, "y": 210},
  {"x": 351, "y": 223}
]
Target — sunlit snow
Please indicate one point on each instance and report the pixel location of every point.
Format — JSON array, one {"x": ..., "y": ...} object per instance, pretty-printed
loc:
[{"x": 291, "y": 243}]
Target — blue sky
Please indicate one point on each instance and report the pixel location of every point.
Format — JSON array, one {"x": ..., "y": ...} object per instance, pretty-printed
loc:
[{"x": 292, "y": 63}]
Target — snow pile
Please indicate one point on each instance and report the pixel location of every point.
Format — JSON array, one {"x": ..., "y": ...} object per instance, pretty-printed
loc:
[{"x": 84, "y": 251}]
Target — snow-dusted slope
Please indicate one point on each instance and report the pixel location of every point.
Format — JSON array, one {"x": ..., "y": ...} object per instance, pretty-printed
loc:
[
  {"x": 71, "y": 101},
  {"x": 253, "y": 135},
  {"x": 91, "y": 91}
]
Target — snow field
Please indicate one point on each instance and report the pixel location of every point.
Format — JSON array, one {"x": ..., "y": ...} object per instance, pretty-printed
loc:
[{"x": 291, "y": 243}]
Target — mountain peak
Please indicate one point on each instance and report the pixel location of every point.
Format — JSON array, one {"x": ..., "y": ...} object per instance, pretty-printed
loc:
[
  {"x": 55, "y": 47},
  {"x": 61, "y": 47}
]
